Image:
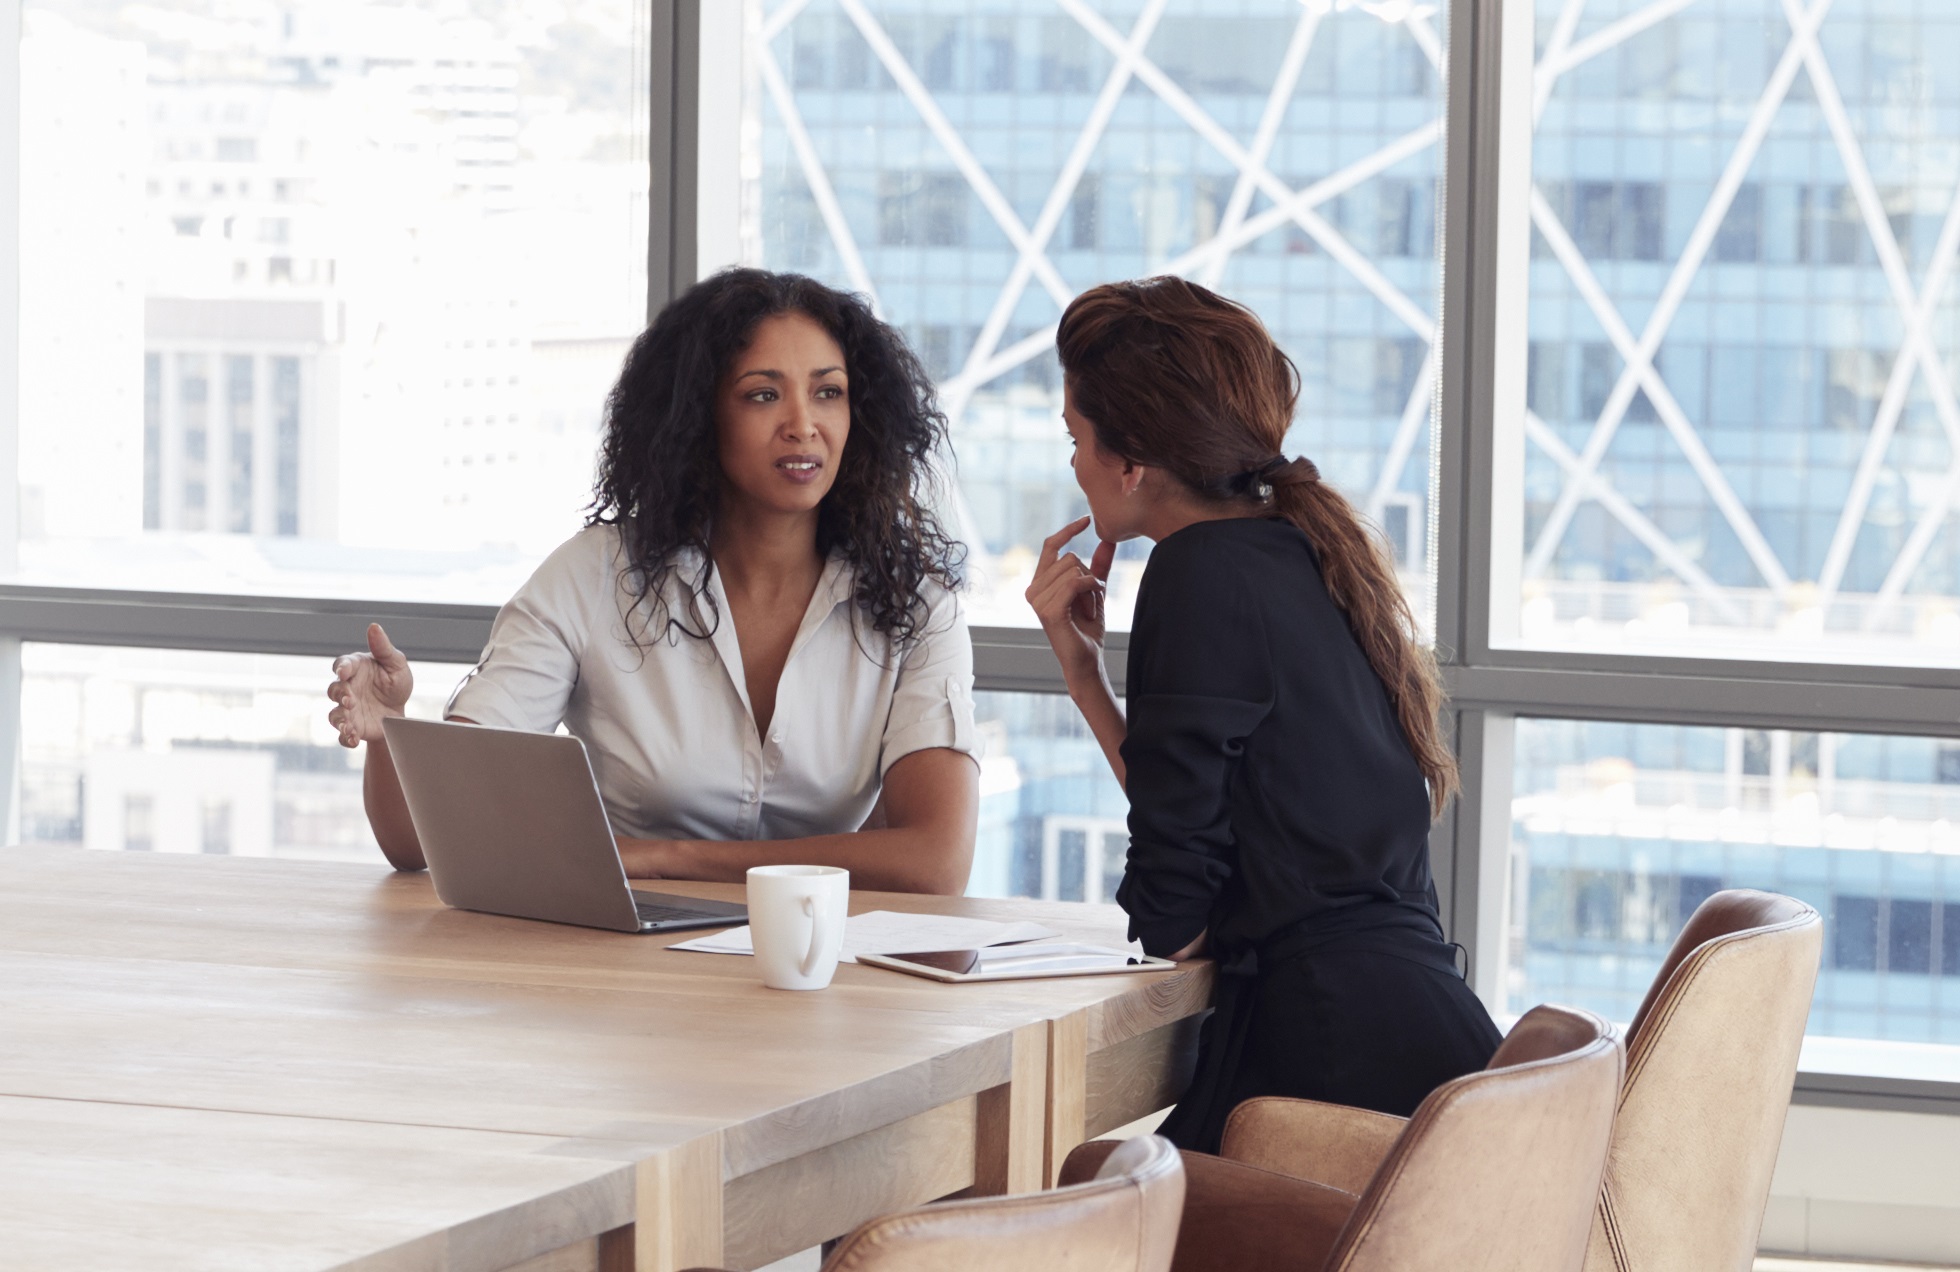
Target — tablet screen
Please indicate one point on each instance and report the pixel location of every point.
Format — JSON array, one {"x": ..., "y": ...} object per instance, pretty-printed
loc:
[{"x": 1032, "y": 959}]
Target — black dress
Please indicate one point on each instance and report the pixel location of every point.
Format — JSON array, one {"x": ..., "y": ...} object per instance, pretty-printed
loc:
[{"x": 1274, "y": 802}]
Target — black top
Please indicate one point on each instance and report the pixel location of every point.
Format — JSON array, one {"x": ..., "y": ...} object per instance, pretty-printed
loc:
[{"x": 1269, "y": 780}]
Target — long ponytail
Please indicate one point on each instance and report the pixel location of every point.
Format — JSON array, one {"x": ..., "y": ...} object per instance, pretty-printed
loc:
[
  {"x": 1175, "y": 376},
  {"x": 1360, "y": 578}
]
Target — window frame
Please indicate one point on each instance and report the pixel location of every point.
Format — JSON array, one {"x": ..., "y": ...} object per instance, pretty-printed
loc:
[{"x": 1476, "y": 475}]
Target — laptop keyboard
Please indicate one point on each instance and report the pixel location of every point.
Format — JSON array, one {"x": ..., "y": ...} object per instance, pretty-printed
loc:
[{"x": 654, "y": 912}]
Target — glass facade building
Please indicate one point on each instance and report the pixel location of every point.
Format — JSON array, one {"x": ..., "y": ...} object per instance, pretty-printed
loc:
[
  {"x": 263, "y": 246},
  {"x": 973, "y": 166},
  {"x": 1738, "y": 434},
  {"x": 1741, "y": 438},
  {"x": 1632, "y": 324}
]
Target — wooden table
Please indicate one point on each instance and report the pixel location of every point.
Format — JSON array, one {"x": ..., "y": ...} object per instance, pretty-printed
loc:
[
  {"x": 92, "y": 1186},
  {"x": 439, "y": 1089}
]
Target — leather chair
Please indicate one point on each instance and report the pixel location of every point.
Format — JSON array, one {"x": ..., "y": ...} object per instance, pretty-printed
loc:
[
  {"x": 1711, "y": 1058},
  {"x": 1497, "y": 1171},
  {"x": 1123, "y": 1220}
]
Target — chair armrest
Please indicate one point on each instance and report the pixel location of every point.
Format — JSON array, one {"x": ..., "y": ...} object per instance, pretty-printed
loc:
[
  {"x": 1084, "y": 1160},
  {"x": 1329, "y": 1144},
  {"x": 1239, "y": 1217}
]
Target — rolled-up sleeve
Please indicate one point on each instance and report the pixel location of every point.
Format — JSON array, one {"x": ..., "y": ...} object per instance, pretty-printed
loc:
[
  {"x": 530, "y": 666},
  {"x": 1200, "y": 681},
  {"x": 932, "y": 704}
]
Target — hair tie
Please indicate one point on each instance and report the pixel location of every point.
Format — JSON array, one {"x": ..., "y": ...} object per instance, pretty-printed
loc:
[{"x": 1277, "y": 472}]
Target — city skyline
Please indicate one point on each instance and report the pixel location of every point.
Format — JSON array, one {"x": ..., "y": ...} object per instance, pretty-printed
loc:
[
  {"x": 324, "y": 225},
  {"x": 1738, "y": 436},
  {"x": 1719, "y": 358}
]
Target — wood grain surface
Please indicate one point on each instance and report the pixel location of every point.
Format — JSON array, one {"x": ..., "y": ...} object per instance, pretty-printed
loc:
[
  {"x": 116, "y": 1186},
  {"x": 348, "y": 996}
]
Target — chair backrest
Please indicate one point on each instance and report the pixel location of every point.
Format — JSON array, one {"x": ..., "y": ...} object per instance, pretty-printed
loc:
[
  {"x": 1498, "y": 1171},
  {"x": 1711, "y": 1059},
  {"x": 1124, "y": 1220}
]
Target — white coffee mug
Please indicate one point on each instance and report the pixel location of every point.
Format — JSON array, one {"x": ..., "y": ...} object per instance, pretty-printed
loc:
[{"x": 796, "y": 919}]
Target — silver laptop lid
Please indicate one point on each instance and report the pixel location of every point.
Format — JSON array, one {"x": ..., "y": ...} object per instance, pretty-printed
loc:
[{"x": 512, "y": 823}]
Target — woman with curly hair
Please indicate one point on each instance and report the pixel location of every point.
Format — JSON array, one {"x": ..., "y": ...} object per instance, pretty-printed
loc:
[
  {"x": 1281, "y": 747},
  {"x": 756, "y": 634}
]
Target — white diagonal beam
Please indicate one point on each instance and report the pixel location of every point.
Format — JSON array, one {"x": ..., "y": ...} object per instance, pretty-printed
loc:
[
  {"x": 1311, "y": 196},
  {"x": 1665, "y": 550},
  {"x": 1923, "y": 532},
  {"x": 772, "y": 26},
  {"x": 1329, "y": 187},
  {"x": 954, "y": 145},
  {"x": 814, "y": 175},
  {"x": 1277, "y": 103},
  {"x": 1414, "y": 413},
  {"x": 1877, "y": 224},
  {"x": 1026, "y": 349},
  {"x": 1672, "y": 417},
  {"x": 961, "y": 388},
  {"x": 1546, "y": 73},
  {"x": 1331, "y": 241},
  {"x": 1207, "y": 128},
  {"x": 1918, "y": 347},
  {"x": 1617, "y": 33},
  {"x": 1420, "y": 30},
  {"x": 1700, "y": 240},
  {"x": 1915, "y": 346},
  {"x": 1931, "y": 520}
]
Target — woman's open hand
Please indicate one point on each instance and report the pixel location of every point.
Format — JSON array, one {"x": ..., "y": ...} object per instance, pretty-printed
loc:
[
  {"x": 1068, "y": 597},
  {"x": 368, "y": 688}
]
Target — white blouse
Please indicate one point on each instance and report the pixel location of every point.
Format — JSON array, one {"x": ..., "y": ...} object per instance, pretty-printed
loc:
[{"x": 667, "y": 721}]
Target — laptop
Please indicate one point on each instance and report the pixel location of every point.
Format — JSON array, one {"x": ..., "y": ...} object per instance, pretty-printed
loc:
[{"x": 512, "y": 823}]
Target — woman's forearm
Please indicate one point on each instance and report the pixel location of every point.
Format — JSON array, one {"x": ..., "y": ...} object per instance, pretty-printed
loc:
[
  {"x": 914, "y": 859},
  {"x": 387, "y": 809},
  {"x": 1097, "y": 703}
]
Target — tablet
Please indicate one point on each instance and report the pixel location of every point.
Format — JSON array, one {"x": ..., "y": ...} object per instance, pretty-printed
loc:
[{"x": 1018, "y": 962}]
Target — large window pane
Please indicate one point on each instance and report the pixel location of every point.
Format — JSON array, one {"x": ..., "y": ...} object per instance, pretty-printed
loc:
[
  {"x": 1620, "y": 830},
  {"x": 973, "y": 164},
  {"x": 158, "y": 750},
  {"x": 322, "y": 298},
  {"x": 154, "y": 750},
  {"x": 1743, "y": 331},
  {"x": 1053, "y": 821}
]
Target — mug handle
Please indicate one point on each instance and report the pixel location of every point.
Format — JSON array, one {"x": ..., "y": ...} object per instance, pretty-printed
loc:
[{"x": 819, "y": 934}]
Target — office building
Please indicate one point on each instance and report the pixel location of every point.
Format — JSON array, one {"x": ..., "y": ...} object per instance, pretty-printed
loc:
[
  {"x": 1779, "y": 472},
  {"x": 320, "y": 303}
]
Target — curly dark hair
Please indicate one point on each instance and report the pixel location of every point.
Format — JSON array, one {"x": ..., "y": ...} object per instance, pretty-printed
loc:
[{"x": 660, "y": 474}]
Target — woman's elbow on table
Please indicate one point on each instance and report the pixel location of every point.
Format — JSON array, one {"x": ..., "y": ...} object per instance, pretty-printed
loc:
[
  {"x": 406, "y": 858},
  {"x": 933, "y": 796},
  {"x": 1195, "y": 949},
  {"x": 947, "y": 875},
  {"x": 941, "y": 859}
]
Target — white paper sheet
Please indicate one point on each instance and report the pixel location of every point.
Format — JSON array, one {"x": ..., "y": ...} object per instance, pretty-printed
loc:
[{"x": 889, "y": 932}]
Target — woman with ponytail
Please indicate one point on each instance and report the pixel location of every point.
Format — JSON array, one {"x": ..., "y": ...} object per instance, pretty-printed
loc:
[{"x": 1282, "y": 752}]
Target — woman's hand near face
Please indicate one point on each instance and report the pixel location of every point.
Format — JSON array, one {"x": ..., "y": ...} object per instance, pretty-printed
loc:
[
  {"x": 368, "y": 688},
  {"x": 1068, "y": 597}
]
